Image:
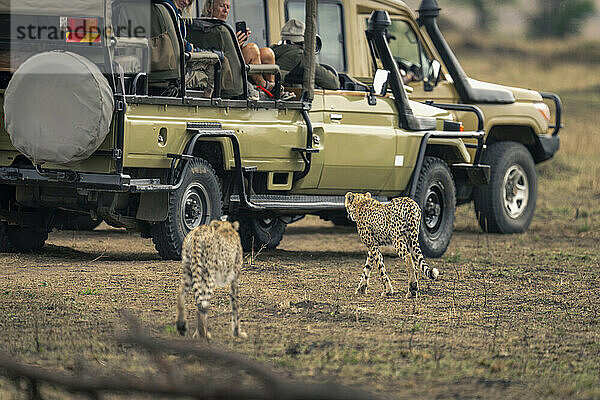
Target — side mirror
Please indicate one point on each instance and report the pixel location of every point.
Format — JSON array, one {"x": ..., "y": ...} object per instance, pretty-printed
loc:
[
  {"x": 380, "y": 81},
  {"x": 379, "y": 87},
  {"x": 433, "y": 75}
]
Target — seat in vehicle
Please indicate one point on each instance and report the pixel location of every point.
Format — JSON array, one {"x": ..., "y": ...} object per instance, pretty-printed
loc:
[
  {"x": 215, "y": 36},
  {"x": 153, "y": 22}
]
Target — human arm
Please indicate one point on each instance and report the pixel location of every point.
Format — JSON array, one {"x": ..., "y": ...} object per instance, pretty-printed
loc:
[{"x": 242, "y": 37}]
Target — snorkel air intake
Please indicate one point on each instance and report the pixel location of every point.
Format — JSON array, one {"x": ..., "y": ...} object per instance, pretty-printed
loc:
[
  {"x": 379, "y": 22},
  {"x": 428, "y": 13}
]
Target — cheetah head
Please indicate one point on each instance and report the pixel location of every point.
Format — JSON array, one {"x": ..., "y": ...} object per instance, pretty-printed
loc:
[
  {"x": 218, "y": 225},
  {"x": 351, "y": 201}
]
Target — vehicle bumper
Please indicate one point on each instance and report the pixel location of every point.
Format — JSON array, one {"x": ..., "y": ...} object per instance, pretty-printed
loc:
[
  {"x": 550, "y": 145},
  {"x": 80, "y": 180}
]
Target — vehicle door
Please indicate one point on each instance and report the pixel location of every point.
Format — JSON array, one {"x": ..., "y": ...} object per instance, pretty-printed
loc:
[{"x": 359, "y": 141}]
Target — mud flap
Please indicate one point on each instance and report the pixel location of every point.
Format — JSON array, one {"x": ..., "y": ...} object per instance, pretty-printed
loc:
[{"x": 153, "y": 206}]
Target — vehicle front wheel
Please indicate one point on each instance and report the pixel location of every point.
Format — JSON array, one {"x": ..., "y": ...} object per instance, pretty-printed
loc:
[
  {"x": 15, "y": 239},
  {"x": 197, "y": 201},
  {"x": 261, "y": 233},
  {"x": 436, "y": 195},
  {"x": 507, "y": 203}
]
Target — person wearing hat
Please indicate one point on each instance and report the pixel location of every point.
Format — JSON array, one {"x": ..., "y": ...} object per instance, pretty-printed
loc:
[{"x": 289, "y": 52}]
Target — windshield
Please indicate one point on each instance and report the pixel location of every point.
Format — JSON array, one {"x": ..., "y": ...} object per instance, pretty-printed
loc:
[
  {"x": 329, "y": 26},
  {"x": 407, "y": 50}
]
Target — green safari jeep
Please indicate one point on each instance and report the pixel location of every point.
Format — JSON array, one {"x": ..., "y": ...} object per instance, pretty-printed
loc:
[{"x": 108, "y": 115}]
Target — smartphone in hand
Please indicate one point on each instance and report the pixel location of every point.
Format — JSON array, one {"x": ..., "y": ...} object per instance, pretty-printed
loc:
[{"x": 240, "y": 26}]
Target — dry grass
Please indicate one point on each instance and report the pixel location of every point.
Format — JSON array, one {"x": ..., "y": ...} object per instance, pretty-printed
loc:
[{"x": 510, "y": 317}]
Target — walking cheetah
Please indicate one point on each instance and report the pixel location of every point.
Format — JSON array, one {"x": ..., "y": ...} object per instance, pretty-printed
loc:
[
  {"x": 394, "y": 224},
  {"x": 211, "y": 257}
]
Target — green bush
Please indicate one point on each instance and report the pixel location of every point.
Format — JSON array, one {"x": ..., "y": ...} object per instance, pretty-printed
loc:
[
  {"x": 560, "y": 18},
  {"x": 485, "y": 11}
]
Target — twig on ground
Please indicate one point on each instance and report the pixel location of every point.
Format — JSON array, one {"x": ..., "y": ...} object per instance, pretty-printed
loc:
[
  {"x": 484, "y": 293},
  {"x": 454, "y": 282},
  {"x": 252, "y": 257},
  {"x": 495, "y": 331},
  {"x": 38, "y": 346},
  {"x": 275, "y": 386},
  {"x": 99, "y": 257}
]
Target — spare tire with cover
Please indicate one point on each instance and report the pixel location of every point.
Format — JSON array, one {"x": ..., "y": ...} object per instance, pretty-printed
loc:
[{"x": 58, "y": 108}]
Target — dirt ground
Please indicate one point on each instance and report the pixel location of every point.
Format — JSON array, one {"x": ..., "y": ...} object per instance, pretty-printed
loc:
[{"x": 510, "y": 316}]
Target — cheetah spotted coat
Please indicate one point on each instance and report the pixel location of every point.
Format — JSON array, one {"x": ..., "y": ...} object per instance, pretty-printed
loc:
[
  {"x": 394, "y": 224},
  {"x": 211, "y": 257}
]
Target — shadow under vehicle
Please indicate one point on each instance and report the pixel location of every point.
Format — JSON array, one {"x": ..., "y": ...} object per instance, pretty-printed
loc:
[{"x": 139, "y": 132}]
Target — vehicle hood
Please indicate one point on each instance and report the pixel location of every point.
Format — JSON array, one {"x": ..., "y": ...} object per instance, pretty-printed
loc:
[
  {"x": 423, "y": 110},
  {"x": 519, "y": 93}
]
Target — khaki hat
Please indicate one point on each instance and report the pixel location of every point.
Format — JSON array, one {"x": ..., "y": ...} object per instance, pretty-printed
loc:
[{"x": 293, "y": 30}]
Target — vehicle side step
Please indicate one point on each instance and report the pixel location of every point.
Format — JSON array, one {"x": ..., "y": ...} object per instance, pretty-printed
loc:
[
  {"x": 148, "y": 185},
  {"x": 307, "y": 203}
]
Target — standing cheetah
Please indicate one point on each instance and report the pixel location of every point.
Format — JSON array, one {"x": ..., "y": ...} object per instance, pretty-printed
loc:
[
  {"x": 394, "y": 224},
  {"x": 211, "y": 257}
]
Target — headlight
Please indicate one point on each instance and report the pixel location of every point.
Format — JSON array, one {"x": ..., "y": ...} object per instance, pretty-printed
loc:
[{"x": 543, "y": 109}]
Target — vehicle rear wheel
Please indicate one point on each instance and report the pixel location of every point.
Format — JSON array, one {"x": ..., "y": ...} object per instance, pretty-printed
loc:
[
  {"x": 342, "y": 221},
  {"x": 261, "y": 233},
  {"x": 507, "y": 203},
  {"x": 436, "y": 195},
  {"x": 15, "y": 239},
  {"x": 196, "y": 202}
]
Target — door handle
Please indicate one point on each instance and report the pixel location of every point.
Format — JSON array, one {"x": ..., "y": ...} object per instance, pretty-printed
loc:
[{"x": 335, "y": 117}]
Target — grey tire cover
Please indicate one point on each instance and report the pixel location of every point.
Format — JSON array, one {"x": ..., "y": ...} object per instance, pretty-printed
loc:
[{"x": 58, "y": 108}]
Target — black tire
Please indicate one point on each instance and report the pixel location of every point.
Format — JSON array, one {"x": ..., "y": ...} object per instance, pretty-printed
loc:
[
  {"x": 436, "y": 195},
  {"x": 507, "y": 203},
  {"x": 260, "y": 233},
  {"x": 15, "y": 239},
  {"x": 196, "y": 202},
  {"x": 80, "y": 223},
  {"x": 342, "y": 221}
]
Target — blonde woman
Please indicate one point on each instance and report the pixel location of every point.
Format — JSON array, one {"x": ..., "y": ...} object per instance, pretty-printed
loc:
[{"x": 252, "y": 54}]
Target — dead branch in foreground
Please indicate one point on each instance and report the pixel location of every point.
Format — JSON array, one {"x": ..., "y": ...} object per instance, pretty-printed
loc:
[{"x": 273, "y": 385}]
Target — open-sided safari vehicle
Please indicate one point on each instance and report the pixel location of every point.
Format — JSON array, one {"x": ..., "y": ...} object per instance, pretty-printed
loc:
[{"x": 107, "y": 114}]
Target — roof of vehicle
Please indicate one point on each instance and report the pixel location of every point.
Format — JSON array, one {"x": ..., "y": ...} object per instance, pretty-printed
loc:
[
  {"x": 388, "y": 5},
  {"x": 79, "y": 8}
]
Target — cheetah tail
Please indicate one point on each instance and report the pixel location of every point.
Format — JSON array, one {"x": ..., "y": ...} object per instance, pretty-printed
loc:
[{"x": 431, "y": 273}]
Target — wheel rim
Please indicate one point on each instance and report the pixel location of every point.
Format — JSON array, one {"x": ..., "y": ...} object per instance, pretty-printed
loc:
[
  {"x": 265, "y": 223},
  {"x": 433, "y": 211},
  {"x": 516, "y": 191},
  {"x": 195, "y": 206}
]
